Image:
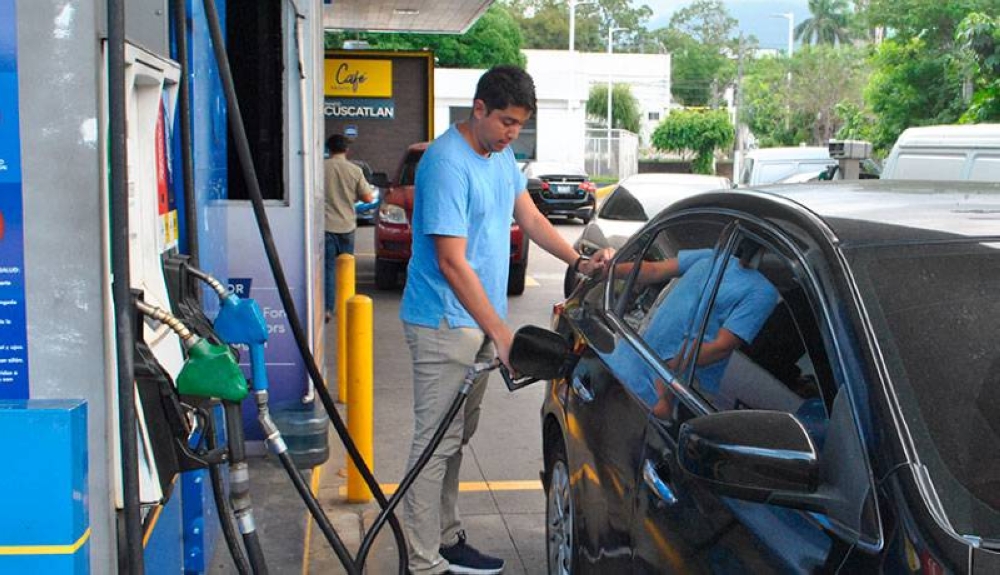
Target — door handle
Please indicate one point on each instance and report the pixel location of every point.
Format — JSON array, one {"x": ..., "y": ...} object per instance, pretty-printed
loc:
[
  {"x": 659, "y": 487},
  {"x": 581, "y": 390}
]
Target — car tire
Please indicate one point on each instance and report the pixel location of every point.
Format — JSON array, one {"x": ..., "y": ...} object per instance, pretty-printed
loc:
[
  {"x": 560, "y": 514},
  {"x": 386, "y": 274}
]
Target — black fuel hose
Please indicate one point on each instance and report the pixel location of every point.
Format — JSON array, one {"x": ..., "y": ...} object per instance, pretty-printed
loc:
[
  {"x": 263, "y": 225},
  {"x": 184, "y": 110},
  {"x": 226, "y": 519},
  {"x": 317, "y": 512},
  {"x": 412, "y": 474},
  {"x": 130, "y": 547},
  {"x": 239, "y": 486}
]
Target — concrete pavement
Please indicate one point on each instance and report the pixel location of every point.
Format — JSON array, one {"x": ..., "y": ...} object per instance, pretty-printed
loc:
[{"x": 501, "y": 497}]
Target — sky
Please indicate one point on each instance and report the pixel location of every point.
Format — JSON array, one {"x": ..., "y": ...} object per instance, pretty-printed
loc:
[{"x": 754, "y": 17}]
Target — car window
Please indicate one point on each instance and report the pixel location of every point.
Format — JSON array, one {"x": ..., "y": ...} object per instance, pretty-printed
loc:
[
  {"x": 936, "y": 316},
  {"x": 408, "y": 173},
  {"x": 779, "y": 362},
  {"x": 640, "y": 279}
]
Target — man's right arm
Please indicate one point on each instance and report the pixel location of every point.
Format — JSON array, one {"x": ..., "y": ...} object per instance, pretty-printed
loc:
[
  {"x": 364, "y": 191},
  {"x": 470, "y": 292}
]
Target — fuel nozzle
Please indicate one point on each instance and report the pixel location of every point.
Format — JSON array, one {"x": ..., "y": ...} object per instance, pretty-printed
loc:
[
  {"x": 240, "y": 321},
  {"x": 210, "y": 370}
]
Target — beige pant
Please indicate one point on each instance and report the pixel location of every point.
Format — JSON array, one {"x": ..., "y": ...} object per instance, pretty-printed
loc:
[{"x": 441, "y": 359}]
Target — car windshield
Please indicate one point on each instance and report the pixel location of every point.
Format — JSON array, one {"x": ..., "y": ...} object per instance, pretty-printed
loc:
[
  {"x": 936, "y": 313},
  {"x": 640, "y": 201}
]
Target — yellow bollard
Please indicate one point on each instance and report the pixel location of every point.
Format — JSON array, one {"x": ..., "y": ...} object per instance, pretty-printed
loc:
[
  {"x": 360, "y": 402},
  {"x": 345, "y": 289}
]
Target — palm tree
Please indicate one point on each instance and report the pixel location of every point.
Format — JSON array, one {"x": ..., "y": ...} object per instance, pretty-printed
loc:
[{"x": 828, "y": 24}]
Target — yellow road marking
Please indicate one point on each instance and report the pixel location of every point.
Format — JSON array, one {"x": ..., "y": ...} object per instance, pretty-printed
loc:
[
  {"x": 470, "y": 486},
  {"x": 46, "y": 549},
  {"x": 314, "y": 488},
  {"x": 531, "y": 282}
]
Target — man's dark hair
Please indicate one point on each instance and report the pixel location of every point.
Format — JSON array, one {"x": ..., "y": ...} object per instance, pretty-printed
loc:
[
  {"x": 505, "y": 86},
  {"x": 337, "y": 144}
]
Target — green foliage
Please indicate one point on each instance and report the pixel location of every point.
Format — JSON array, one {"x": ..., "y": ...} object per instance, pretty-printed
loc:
[
  {"x": 625, "y": 108},
  {"x": 698, "y": 132},
  {"x": 829, "y": 23},
  {"x": 979, "y": 37},
  {"x": 545, "y": 24},
  {"x": 700, "y": 39},
  {"x": 493, "y": 40},
  {"x": 912, "y": 84},
  {"x": 933, "y": 21},
  {"x": 790, "y": 102}
]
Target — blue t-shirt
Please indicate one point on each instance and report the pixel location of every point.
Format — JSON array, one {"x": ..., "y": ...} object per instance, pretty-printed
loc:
[
  {"x": 462, "y": 194},
  {"x": 743, "y": 303}
]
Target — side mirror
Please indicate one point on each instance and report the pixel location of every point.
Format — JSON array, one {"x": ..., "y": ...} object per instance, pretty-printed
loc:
[
  {"x": 380, "y": 179},
  {"x": 761, "y": 456},
  {"x": 535, "y": 354}
]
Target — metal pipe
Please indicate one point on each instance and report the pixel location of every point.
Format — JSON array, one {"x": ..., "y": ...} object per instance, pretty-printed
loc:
[{"x": 130, "y": 559}]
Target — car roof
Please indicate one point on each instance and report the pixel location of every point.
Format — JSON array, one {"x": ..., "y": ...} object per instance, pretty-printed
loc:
[
  {"x": 871, "y": 211},
  {"x": 791, "y": 153},
  {"x": 959, "y": 136}
]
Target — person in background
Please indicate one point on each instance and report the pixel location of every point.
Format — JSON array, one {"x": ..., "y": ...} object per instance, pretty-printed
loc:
[
  {"x": 344, "y": 184},
  {"x": 455, "y": 301}
]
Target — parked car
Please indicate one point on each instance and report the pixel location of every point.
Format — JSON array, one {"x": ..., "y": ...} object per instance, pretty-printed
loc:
[
  {"x": 856, "y": 430},
  {"x": 769, "y": 165},
  {"x": 560, "y": 189},
  {"x": 965, "y": 152},
  {"x": 393, "y": 234},
  {"x": 377, "y": 181},
  {"x": 629, "y": 206}
]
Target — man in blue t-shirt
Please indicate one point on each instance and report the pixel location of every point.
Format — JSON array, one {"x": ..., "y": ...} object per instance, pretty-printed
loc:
[
  {"x": 455, "y": 302},
  {"x": 741, "y": 306}
]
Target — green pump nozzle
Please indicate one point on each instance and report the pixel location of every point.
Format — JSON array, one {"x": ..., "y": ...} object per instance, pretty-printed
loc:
[{"x": 210, "y": 370}]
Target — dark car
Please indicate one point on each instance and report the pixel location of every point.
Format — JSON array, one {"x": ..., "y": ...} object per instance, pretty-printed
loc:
[
  {"x": 853, "y": 428},
  {"x": 393, "y": 235},
  {"x": 560, "y": 189}
]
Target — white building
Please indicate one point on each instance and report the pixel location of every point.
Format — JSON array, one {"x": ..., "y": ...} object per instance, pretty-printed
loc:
[{"x": 557, "y": 131}]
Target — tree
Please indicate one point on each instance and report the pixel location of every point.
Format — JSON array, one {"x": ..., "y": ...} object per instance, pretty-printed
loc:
[
  {"x": 701, "y": 41},
  {"x": 911, "y": 85},
  {"x": 828, "y": 24},
  {"x": 979, "y": 37},
  {"x": 707, "y": 21},
  {"x": 545, "y": 23},
  {"x": 625, "y": 108},
  {"x": 697, "y": 132},
  {"x": 789, "y": 102},
  {"x": 493, "y": 40}
]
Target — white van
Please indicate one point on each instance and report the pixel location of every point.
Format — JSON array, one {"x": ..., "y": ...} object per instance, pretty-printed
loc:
[
  {"x": 769, "y": 165},
  {"x": 960, "y": 152}
]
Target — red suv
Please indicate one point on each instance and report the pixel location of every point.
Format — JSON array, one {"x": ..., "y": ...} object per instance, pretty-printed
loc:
[{"x": 392, "y": 230}]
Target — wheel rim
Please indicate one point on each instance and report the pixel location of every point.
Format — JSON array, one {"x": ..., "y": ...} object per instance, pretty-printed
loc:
[{"x": 559, "y": 524}]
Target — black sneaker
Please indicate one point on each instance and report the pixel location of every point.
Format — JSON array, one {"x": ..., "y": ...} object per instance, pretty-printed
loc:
[{"x": 466, "y": 560}]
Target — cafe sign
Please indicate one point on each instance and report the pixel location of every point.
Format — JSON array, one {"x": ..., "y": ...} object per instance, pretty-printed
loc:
[{"x": 357, "y": 78}]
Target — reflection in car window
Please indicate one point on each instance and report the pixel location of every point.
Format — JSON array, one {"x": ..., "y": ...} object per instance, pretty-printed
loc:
[
  {"x": 936, "y": 314},
  {"x": 780, "y": 360},
  {"x": 638, "y": 287}
]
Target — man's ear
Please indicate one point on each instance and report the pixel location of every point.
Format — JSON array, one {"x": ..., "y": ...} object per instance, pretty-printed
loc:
[{"x": 479, "y": 109}]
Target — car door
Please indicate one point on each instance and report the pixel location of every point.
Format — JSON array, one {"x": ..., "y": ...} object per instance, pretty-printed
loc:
[
  {"x": 781, "y": 364},
  {"x": 612, "y": 392}
]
